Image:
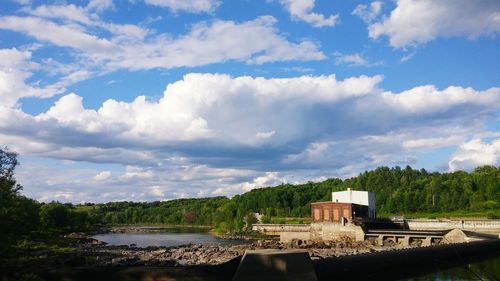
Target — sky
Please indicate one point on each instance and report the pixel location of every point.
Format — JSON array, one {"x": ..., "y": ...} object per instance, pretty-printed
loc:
[{"x": 145, "y": 100}]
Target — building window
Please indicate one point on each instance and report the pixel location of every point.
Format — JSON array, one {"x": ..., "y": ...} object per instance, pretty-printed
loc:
[
  {"x": 347, "y": 213},
  {"x": 326, "y": 214},
  {"x": 336, "y": 216},
  {"x": 317, "y": 215}
]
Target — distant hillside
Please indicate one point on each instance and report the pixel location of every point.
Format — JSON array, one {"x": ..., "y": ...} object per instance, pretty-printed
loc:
[{"x": 397, "y": 191}]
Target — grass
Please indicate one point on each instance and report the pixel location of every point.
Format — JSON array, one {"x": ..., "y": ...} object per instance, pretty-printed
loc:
[
  {"x": 28, "y": 251},
  {"x": 61, "y": 245}
]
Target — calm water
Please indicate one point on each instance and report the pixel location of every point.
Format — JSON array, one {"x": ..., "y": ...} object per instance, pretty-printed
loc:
[
  {"x": 169, "y": 237},
  {"x": 486, "y": 270}
]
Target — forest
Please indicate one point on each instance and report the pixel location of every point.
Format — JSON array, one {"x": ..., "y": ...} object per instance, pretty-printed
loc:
[{"x": 398, "y": 191}]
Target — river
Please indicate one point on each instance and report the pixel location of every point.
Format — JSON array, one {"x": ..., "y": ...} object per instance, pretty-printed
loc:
[
  {"x": 168, "y": 237},
  {"x": 485, "y": 270}
]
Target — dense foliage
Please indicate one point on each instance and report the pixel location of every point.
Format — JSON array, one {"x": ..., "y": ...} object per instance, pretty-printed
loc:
[
  {"x": 397, "y": 191},
  {"x": 411, "y": 191},
  {"x": 180, "y": 211},
  {"x": 18, "y": 214}
]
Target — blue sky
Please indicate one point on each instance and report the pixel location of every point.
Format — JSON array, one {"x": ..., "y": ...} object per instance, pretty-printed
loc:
[{"x": 160, "y": 99}]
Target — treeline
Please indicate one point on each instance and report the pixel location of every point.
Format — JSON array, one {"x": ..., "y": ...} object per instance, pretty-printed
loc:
[
  {"x": 24, "y": 219},
  {"x": 181, "y": 211},
  {"x": 222, "y": 213},
  {"x": 397, "y": 191},
  {"x": 412, "y": 191}
]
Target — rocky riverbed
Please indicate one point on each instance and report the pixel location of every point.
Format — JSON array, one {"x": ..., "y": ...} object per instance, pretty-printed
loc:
[{"x": 91, "y": 252}]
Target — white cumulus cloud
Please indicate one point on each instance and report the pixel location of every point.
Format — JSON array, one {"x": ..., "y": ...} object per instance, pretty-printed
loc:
[
  {"x": 16, "y": 67},
  {"x": 350, "y": 59},
  {"x": 475, "y": 153},
  {"x": 419, "y": 21},
  {"x": 226, "y": 134},
  {"x": 302, "y": 10},
  {"x": 368, "y": 13},
  {"x": 102, "y": 176},
  {"x": 134, "y": 47},
  {"x": 192, "y": 6}
]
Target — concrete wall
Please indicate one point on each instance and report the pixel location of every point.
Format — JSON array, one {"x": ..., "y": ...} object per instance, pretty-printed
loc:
[
  {"x": 314, "y": 231},
  {"x": 449, "y": 224},
  {"x": 277, "y": 229},
  {"x": 334, "y": 231}
]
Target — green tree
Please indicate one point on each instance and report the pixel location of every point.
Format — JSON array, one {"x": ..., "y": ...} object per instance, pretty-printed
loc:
[
  {"x": 55, "y": 216},
  {"x": 18, "y": 214}
]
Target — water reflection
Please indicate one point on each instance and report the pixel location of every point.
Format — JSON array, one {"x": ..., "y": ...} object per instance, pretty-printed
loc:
[
  {"x": 485, "y": 270},
  {"x": 167, "y": 238}
]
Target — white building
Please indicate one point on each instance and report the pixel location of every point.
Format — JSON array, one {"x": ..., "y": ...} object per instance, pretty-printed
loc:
[{"x": 356, "y": 197}]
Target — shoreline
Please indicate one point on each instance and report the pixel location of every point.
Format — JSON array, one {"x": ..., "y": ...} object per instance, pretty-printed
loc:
[
  {"x": 93, "y": 253},
  {"x": 377, "y": 265},
  {"x": 149, "y": 228},
  {"x": 161, "y": 228}
]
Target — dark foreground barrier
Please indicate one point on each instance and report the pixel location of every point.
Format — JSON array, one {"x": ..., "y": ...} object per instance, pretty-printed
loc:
[
  {"x": 398, "y": 264},
  {"x": 389, "y": 265},
  {"x": 220, "y": 272}
]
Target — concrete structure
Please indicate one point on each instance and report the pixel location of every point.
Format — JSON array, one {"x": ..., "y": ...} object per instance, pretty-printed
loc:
[
  {"x": 405, "y": 238},
  {"x": 364, "y": 198},
  {"x": 325, "y": 231},
  {"x": 337, "y": 219},
  {"x": 275, "y": 265},
  {"x": 337, "y": 212},
  {"x": 492, "y": 226},
  {"x": 278, "y": 229},
  {"x": 313, "y": 231},
  {"x": 336, "y": 231}
]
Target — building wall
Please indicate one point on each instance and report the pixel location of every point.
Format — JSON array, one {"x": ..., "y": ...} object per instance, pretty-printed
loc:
[
  {"x": 356, "y": 197},
  {"x": 335, "y": 212}
]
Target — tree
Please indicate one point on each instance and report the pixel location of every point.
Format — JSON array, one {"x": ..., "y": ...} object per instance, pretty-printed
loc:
[
  {"x": 18, "y": 214},
  {"x": 55, "y": 216},
  {"x": 250, "y": 219},
  {"x": 8, "y": 186},
  {"x": 190, "y": 217}
]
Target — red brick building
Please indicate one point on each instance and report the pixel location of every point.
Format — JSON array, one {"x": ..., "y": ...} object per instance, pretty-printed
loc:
[{"x": 334, "y": 211}]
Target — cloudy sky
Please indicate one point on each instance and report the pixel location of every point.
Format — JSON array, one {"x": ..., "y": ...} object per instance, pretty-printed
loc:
[{"x": 160, "y": 99}]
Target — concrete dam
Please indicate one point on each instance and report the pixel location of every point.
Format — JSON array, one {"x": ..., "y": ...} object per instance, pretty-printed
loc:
[
  {"x": 407, "y": 233},
  {"x": 352, "y": 214}
]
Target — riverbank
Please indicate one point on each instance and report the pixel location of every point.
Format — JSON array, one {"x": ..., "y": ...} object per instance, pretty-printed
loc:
[
  {"x": 89, "y": 252},
  {"x": 377, "y": 264},
  {"x": 200, "y": 254},
  {"x": 247, "y": 236},
  {"x": 155, "y": 229}
]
